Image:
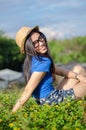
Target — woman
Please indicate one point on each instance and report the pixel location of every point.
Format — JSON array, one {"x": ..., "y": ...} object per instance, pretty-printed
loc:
[{"x": 40, "y": 72}]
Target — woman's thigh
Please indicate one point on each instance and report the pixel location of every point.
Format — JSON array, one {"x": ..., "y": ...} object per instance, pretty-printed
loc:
[
  {"x": 80, "y": 90},
  {"x": 67, "y": 84}
]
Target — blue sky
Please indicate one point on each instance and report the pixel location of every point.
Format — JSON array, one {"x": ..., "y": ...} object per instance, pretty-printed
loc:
[{"x": 56, "y": 18}]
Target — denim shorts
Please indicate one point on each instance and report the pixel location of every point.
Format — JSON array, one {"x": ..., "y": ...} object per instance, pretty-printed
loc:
[{"x": 57, "y": 96}]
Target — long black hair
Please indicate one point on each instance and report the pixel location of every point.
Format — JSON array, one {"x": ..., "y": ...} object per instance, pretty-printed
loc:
[{"x": 29, "y": 52}]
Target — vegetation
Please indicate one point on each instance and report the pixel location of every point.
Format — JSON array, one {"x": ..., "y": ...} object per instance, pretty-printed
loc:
[
  {"x": 62, "y": 51},
  {"x": 68, "y": 50},
  {"x": 64, "y": 116},
  {"x": 10, "y": 56}
]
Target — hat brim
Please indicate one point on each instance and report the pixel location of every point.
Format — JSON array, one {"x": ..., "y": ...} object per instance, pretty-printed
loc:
[{"x": 28, "y": 33}]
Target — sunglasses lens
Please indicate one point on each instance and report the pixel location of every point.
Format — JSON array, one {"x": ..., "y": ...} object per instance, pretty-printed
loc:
[
  {"x": 36, "y": 43},
  {"x": 42, "y": 36},
  {"x": 40, "y": 39}
]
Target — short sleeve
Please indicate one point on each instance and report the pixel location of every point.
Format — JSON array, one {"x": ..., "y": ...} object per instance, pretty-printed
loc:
[{"x": 41, "y": 65}]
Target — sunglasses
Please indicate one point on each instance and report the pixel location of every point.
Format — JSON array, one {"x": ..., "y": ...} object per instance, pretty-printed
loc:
[{"x": 41, "y": 38}]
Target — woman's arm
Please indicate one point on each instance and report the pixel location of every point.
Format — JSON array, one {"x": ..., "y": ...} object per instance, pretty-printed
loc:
[
  {"x": 34, "y": 80},
  {"x": 70, "y": 74},
  {"x": 66, "y": 73}
]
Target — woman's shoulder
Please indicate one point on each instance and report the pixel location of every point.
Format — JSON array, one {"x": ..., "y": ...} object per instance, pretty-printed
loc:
[
  {"x": 42, "y": 64},
  {"x": 41, "y": 59}
]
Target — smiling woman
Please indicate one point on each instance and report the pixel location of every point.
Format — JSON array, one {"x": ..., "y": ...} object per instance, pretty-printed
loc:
[
  {"x": 41, "y": 38},
  {"x": 40, "y": 71},
  {"x": 39, "y": 42}
]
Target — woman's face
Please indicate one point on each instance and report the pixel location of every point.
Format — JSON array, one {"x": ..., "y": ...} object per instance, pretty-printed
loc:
[{"x": 39, "y": 42}]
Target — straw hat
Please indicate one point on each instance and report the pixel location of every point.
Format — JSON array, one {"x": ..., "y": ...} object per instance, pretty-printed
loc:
[{"x": 22, "y": 35}]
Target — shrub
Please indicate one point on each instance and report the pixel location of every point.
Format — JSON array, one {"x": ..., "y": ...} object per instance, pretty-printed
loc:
[{"x": 64, "y": 116}]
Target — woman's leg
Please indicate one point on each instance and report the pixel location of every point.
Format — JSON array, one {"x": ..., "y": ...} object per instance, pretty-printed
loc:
[{"x": 79, "y": 88}]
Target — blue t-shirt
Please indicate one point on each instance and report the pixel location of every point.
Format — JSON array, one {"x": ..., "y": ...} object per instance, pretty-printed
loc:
[{"x": 45, "y": 86}]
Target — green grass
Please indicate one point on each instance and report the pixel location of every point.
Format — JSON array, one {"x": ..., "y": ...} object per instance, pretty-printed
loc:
[
  {"x": 68, "y": 50},
  {"x": 65, "y": 116}
]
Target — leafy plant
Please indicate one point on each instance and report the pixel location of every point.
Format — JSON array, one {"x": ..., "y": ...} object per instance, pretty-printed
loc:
[{"x": 69, "y": 115}]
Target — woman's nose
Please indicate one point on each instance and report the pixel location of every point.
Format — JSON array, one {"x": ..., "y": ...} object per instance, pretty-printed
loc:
[{"x": 41, "y": 43}]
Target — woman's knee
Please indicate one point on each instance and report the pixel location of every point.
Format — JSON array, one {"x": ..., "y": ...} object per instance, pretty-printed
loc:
[
  {"x": 78, "y": 69},
  {"x": 80, "y": 90}
]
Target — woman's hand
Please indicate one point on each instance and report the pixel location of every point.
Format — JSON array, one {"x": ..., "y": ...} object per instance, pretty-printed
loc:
[
  {"x": 81, "y": 78},
  {"x": 18, "y": 105}
]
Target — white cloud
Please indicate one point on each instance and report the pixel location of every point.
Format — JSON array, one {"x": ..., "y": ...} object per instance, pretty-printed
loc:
[
  {"x": 57, "y": 19},
  {"x": 11, "y": 35},
  {"x": 59, "y": 31},
  {"x": 51, "y": 33},
  {"x": 56, "y": 31}
]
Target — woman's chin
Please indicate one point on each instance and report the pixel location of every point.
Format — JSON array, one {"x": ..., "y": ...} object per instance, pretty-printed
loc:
[{"x": 43, "y": 51}]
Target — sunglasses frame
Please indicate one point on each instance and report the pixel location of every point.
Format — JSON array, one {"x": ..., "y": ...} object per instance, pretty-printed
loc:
[{"x": 41, "y": 38}]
